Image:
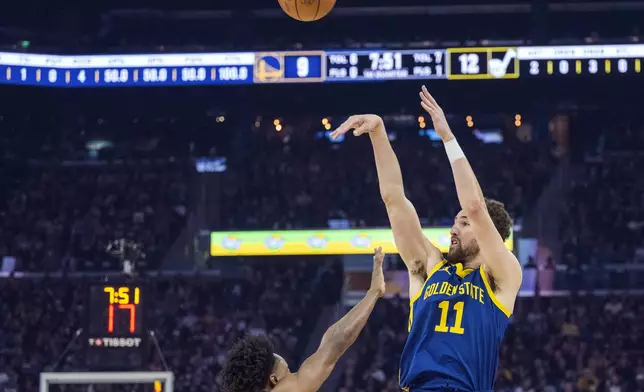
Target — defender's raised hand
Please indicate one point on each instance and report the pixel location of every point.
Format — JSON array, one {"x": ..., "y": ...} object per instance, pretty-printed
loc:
[
  {"x": 361, "y": 124},
  {"x": 377, "y": 276}
]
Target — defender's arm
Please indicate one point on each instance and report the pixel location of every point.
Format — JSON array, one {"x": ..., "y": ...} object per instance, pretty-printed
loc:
[
  {"x": 501, "y": 262},
  {"x": 338, "y": 338}
]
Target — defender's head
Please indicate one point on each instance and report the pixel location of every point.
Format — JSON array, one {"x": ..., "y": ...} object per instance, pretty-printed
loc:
[
  {"x": 463, "y": 246},
  {"x": 252, "y": 366}
]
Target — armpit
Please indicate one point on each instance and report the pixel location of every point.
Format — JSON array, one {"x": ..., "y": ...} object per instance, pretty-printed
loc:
[{"x": 418, "y": 268}]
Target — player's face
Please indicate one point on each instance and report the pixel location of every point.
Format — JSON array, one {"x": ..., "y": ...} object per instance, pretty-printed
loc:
[{"x": 463, "y": 245}]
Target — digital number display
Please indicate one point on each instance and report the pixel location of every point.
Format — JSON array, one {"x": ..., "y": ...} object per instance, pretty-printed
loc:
[
  {"x": 117, "y": 310},
  {"x": 483, "y": 63},
  {"x": 116, "y": 330},
  {"x": 320, "y": 66},
  {"x": 385, "y": 65},
  {"x": 581, "y": 67}
]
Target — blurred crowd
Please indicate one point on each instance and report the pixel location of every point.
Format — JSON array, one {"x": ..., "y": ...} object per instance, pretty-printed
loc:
[
  {"x": 64, "y": 217},
  {"x": 299, "y": 179},
  {"x": 194, "y": 318},
  {"x": 110, "y": 177},
  {"x": 603, "y": 220},
  {"x": 557, "y": 344}
]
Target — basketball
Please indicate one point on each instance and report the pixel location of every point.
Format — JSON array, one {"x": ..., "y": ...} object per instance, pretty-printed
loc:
[{"x": 307, "y": 10}]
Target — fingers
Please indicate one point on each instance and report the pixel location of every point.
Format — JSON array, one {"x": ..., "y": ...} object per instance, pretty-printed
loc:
[
  {"x": 428, "y": 96},
  {"x": 428, "y": 108},
  {"x": 352, "y": 122},
  {"x": 343, "y": 128},
  {"x": 427, "y": 101},
  {"x": 378, "y": 255},
  {"x": 362, "y": 129}
]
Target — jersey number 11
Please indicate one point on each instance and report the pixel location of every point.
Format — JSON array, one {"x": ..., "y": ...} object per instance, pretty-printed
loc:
[{"x": 458, "y": 319}]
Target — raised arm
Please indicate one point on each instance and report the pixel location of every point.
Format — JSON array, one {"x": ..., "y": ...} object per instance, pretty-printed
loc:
[
  {"x": 501, "y": 262},
  {"x": 338, "y": 338},
  {"x": 418, "y": 253}
]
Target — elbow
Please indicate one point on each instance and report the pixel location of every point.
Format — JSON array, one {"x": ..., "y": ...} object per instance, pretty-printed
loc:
[
  {"x": 392, "y": 195},
  {"x": 333, "y": 339},
  {"x": 333, "y": 344},
  {"x": 474, "y": 207}
]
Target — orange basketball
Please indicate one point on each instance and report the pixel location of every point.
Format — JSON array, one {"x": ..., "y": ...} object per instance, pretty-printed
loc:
[{"x": 307, "y": 10}]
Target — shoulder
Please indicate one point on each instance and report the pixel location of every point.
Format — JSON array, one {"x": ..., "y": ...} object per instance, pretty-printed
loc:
[{"x": 288, "y": 384}]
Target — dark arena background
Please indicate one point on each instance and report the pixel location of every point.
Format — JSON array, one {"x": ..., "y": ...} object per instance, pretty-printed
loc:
[{"x": 168, "y": 184}]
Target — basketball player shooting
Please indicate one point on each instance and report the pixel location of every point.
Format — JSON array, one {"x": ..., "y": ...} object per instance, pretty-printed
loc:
[
  {"x": 460, "y": 305},
  {"x": 252, "y": 365}
]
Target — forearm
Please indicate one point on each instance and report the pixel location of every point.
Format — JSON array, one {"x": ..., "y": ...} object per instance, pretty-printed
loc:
[
  {"x": 341, "y": 335},
  {"x": 468, "y": 189},
  {"x": 389, "y": 174}
]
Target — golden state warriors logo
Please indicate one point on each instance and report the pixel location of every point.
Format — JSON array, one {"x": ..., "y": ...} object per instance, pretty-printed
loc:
[{"x": 269, "y": 67}]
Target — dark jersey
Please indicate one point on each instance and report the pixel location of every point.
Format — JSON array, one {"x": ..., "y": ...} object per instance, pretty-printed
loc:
[{"x": 456, "y": 324}]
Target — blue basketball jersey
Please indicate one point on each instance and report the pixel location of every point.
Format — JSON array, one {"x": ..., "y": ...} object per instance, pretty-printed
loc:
[{"x": 456, "y": 325}]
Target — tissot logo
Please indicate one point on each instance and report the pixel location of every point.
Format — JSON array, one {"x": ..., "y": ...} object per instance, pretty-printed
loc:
[{"x": 114, "y": 342}]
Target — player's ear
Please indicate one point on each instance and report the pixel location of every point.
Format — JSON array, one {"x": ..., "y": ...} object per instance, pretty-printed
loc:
[{"x": 273, "y": 379}]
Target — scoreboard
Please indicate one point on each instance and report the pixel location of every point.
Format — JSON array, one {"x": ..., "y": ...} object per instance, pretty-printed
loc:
[
  {"x": 117, "y": 335},
  {"x": 468, "y": 63}
]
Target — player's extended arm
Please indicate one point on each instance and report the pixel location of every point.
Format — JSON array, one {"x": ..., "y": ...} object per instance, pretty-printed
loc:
[
  {"x": 502, "y": 263},
  {"x": 415, "y": 249},
  {"x": 338, "y": 338}
]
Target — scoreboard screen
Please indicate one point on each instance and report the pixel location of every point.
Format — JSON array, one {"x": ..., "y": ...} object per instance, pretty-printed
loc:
[
  {"x": 483, "y": 63},
  {"x": 385, "y": 65},
  {"x": 581, "y": 60},
  {"x": 467, "y": 63},
  {"x": 116, "y": 326}
]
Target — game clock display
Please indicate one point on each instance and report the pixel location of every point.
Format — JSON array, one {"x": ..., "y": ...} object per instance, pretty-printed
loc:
[{"x": 116, "y": 335}]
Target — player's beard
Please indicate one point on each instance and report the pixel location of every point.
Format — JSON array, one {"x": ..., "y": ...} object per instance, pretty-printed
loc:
[{"x": 463, "y": 254}]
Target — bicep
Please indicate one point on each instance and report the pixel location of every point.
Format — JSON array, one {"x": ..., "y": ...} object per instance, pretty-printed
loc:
[
  {"x": 414, "y": 248},
  {"x": 314, "y": 371}
]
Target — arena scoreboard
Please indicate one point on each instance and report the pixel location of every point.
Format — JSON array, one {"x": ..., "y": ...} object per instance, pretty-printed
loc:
[
  {"x": 116, "y": 333},
  {"x": 467, "y": 63}
]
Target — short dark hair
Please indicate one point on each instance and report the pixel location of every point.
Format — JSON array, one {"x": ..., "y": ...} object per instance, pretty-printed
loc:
[
  {"x": 500, "y": 217},
  {"x": 249, "y": 365}
]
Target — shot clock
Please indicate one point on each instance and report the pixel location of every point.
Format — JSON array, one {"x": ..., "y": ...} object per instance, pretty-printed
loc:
[{"x": 116, "y": 326}]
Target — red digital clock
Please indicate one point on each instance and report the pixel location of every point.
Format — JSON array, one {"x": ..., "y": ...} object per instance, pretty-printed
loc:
[{"x": 116, "y": 326}]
